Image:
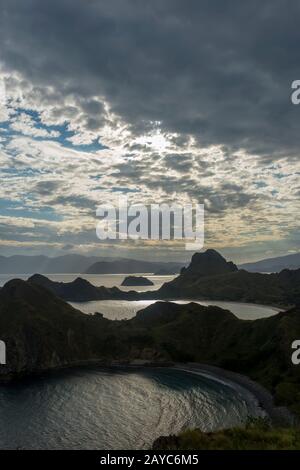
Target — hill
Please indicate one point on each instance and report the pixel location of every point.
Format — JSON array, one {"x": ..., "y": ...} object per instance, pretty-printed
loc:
[
  {"x": 19, "y": 264},
  {"x": 255, "y": 436},
  {"x": 208, "y": 263},
  {"x": 74, "y": 263},
  {"x": 131, "y": 266},
  {"x": 81, "y": 290},
  {"x": 210, "y": 276},
  {"x": 273, "y": 265},
  {"x": 136, "y": 281},
  {"x": 42, "y": 332}
]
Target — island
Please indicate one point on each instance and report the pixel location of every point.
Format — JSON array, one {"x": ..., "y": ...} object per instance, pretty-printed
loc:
[
  {"x": 42, "y": 332},
  {"x": 137, "y": 281},
  {"x": 208, "y": 276}
]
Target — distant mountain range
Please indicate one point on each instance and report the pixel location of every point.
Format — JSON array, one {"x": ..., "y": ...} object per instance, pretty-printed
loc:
[
  {"x": 20, "y": 264},
  {"x": 136, "y": 281},
  {"x": 74, "y": 263},
  {"x": 208, "y": 276},
  {"x": 132, "y": 266},
  {"x": 273, "y": 265}
]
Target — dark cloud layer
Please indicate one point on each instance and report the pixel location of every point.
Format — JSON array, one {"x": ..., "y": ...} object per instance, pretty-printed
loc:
[
  {"x": 131, "y": 96},
  {"x": 220, "y": 71}
]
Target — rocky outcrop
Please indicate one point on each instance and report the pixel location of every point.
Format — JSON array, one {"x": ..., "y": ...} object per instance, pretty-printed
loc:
[
  {"x": 210, "y": 276},
  {"x": 209, "y": 263},
  {"x": 136, "y": 281},
  {"x": 41, "y": 331}
]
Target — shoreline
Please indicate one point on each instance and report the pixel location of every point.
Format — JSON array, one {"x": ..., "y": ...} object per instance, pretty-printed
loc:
[
  {"x": 276, "y": 306},
  {"x": 279, "y": 415},
  {"x": 152, "y": 293}
]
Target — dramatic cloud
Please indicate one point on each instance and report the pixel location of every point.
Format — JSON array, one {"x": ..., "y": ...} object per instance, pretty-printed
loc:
[{"x": 163, "y": 100}]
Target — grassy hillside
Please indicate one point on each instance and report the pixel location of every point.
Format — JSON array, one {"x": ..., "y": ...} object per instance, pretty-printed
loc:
[
  {"x": 81, "y": 290},
  {"x": 260, "y": 349},
  {"x": 255, "y": 436},
  {"x": 271, "y": 289},
  {"x": 42, "y": 331}
]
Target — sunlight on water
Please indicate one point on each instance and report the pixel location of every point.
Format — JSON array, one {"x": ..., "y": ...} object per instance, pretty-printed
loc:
[
  {"x": 106, "y": 280},
  {"x": 122, "y": 309},
  {"x": 115, "y": 409}
]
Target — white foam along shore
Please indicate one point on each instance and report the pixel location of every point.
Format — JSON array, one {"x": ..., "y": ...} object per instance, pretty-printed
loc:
[{"x": 280, "y": 416}]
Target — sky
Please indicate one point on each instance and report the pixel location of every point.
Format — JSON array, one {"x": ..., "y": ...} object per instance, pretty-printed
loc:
[{"x": 165, "y": 101}]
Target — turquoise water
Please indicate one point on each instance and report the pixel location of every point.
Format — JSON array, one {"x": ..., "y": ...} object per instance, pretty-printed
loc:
[{"x": 115, "y": 409}]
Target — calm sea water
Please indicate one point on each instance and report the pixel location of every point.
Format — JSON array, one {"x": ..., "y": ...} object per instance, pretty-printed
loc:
[
  {"x": 106, "y": 280},
  {"x": 116, "y": 409},
  {"x": 119, "y": 309},
  {"x": 122, "y": 309}
]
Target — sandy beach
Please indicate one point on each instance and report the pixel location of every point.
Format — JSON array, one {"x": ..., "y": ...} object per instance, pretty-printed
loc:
[{"x": 279, "y": 415}]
